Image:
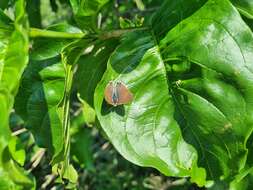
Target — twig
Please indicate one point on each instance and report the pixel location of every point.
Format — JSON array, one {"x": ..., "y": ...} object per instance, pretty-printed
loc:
[
  {"x": 36, "y": 32},
  {"x": 18, "y": 132},
  {"x": 36, "y": 159},
  {"x": 103, "y": 35},
  {"x": 117, "y": 33},
  {"x": 49, "y": 179}
]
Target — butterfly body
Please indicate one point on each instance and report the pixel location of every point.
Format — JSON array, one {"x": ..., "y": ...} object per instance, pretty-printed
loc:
[{"x": 116, "y": 93}]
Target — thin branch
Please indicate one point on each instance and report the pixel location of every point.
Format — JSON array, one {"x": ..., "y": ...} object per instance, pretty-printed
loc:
[
  {"x": 40, "y": 33},
  {"x": 117, "y": 33},
  {"x": 103, "y": 35},
  {"x": 18, "y": 132},
  {"x": 49, "y": 179},
  {"x": 36, "y": 159}
]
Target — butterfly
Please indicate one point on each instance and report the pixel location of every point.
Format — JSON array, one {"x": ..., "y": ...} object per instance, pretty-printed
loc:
[{"x": 116, "y": 93}]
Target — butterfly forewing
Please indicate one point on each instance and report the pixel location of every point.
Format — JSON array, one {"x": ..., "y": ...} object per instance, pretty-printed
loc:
[
  {"x": 125, "y": 96},
  {"x": 109, "y": 93}
]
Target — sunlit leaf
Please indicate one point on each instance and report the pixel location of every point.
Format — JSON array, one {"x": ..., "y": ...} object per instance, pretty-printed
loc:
[
  {"x": 145, "y": 131},
  {"x": 213, "y": 95}
]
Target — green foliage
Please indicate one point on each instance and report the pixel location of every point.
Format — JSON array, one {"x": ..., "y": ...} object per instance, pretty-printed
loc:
[
  {"x": 85, "y": 12},
  {"x": 188, "y": 64},
  {"x": 149, "y": 140},
  {"x": 13, "y": 60},
  {"x": 211, "y": 99}
]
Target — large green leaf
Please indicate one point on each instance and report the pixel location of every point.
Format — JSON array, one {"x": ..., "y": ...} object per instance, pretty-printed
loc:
[
  {"x": 171, "y": 13},
  {"x": 207, "y": 92},
  {"x": 40, "y": 93},
  {"x": 85, "y": 12},
  {"x": 145, "y": 131},
  {"x": 13, "y": 60},
  {"x": 213, "y": 93}
]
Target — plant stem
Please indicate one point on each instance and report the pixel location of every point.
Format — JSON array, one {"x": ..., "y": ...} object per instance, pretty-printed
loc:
[
  {"x": 40, "y": 33},
  {"x": 103, "y": 35},
  {"x": 18, "y": 132},
  {"x": 117, "y": 33}
]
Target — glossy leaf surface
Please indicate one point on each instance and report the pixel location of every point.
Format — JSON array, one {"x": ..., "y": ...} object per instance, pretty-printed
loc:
[
  {"x": 13, "y": 60},
  {"x": 213, "y": 93},
  {"x": 206, "y": 92},
  {"x": 37, "y": 102},
  {"x": 142, "y": 131},
  {"x": 245, "y": 7}
]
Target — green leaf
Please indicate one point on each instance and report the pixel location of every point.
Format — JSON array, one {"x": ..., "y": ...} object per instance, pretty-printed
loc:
[
  {"x": 4, "y": 4},
  {"x": 245, "y": 7},
  {"x": 41, "y": 91},
  {"x": 91, "y": 68},
  {"x": 140, "y": 5},
  {"x": 45, "y": 48},
  {"x": 81, "y": 143},
  {"x": 13, "y": 60},
  {"x": 171, "y": 13},
  {"x": 213, "y": 97},
  {"x": 145, "y": 132},
  {"x": 33, "y": 11},
  {"x": 17, "y": 151},
  {"x": 6, "y": 26},
  {"x": 85, "y": 12},
  {"x": 206, "y": 92},
  {"x": 17, "y": 174},
  {"x": 71, "y": 174},
  {"x": 70, "y": 55},
  {"x": 88, "y": 113}
]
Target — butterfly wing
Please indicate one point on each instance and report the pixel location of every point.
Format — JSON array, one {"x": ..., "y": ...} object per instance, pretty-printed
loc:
[
  {"x": 108, "y": 93},
  {"x": 125, "y": 96}
]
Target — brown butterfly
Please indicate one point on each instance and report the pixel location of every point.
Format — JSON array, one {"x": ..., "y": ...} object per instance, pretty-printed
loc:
[{"x": 116, "y": 93}]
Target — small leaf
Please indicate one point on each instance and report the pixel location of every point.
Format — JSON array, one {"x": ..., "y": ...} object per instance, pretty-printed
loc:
[
  {"x": 245, "y": 7},
  {"x": 16, "y": 173},
  {"x": 71, "y": 174},
  {"x": 85, "y": 12},
  {"x": 17, "y": 150},
  {"x": 88, "y": 113},
  {"x": 140, "y": 4}
]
